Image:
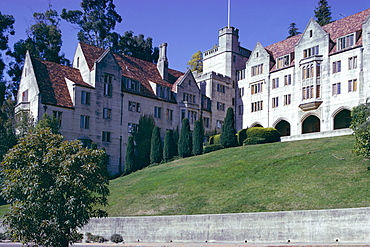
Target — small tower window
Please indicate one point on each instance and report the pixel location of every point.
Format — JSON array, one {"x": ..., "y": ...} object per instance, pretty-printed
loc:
[{"x": 310, "y": 33}]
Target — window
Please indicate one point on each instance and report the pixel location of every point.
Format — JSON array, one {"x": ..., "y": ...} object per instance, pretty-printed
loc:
[
  {"x": 256, "y": 88},
  {"x": 337, "y": 66},
  {"x": 192, "y": 116},
  {"x": 307, "y": 92},
  {"x": 219, "y": 124},
  {"x": 132, "y": 128},
  {"x": 157, "y": 112},
  {"x": 220, "y": 106},
  {"x": 345, "y": 42},
  {"x": 85, "y": 98},
  {"x": 106, "y": 136},
  {"x": 352, "y": 85},
  {"x": 287, "y": 99},
  {"x": 241, "y": 109},
  {"x": 311, "y": 51},
  {"x": 169, "y": 114},
  {"x": 134, "y": 106},
  {"x": 318, "y": 70},
  {"x": 257, "y": 106},
  {"x": 275, "y": 83},
  {"x": 287, "y": 79},
  {"x": 108, "y": 85},
  {"x": 183, "y": 114},
  {"x": 206, "y": 122},
  {"x": 107, "y": 113},
  {"x": 240, "y": 74},
  {"x": 283, "y": 62},
  {"x": 25, "y": 96},
  {"x": 318, "y": 91},
  {"x": 84, "y": 122},
  {"x": 58, "y": 116},
  {"x": 241, "y": 92},
  {"x": 352, "y": 63},
  {"x": 188, "y": 98},
  {"x": 336, "y": 88},
  {"x": 307, "y": 71},
  {"x": 163, "y": 92},
  {"x": 257, "y": 70},
  {"x": 220, "y": 88},
  {"x": 275, "y": 102},
  {"x": 130, "y": 84}
]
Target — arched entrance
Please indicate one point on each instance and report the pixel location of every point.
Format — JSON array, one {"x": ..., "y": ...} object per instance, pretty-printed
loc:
[
  {"x": 283, "y": 127},
  {"x": 311, "y": 124},
  {"x": 256, "y": 125},
  {"x": 342, "y": 120}
]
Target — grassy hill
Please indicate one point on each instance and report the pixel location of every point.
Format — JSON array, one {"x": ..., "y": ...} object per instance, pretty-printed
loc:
[{"x": 300, "y": 175}]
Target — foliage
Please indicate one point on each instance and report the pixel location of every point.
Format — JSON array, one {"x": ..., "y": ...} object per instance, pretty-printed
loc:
[
  {"x": 212, "y": 147},
  {"x": 196, "y": 62},
  {"x": 48, "y": 122},
  {"x": 176, "y": 137},
  {"x": 293, "y": 30},
  {"x": 95, "y": 238},
  {"x": 323, "y": 13},
  {"x": 130, "y": 156},
  {"x": 143, "y": 138},
  {"x": 6, "y": 29},
  {"x": 116, "y": 238},
  {"x": 241, "y": 136},
  {"x": 361, "y": 126},
  {"x": 53, "y": 187},
  {"x": 359, "y": 115},
  {"x": 7, "y": 133},
  {"x": 156, "y": 148},
  {"x": 215, "y": 139},
  {"x": 198, "y": 137},
  {"x": 169, "y": 147},
  {"x": 24, "y": 123},
  {"x": 185, "y": 142},
  {"x": 228, "y": 133},
  {"x": 260, "y": 135},
  {"x": 96, "y": 21}
]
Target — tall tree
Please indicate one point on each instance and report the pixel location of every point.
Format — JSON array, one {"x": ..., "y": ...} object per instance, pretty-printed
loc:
[
  {"x": 54, "y": 187},
  {"x": 293, "y": 30},
  {"x": 156, "y": 146},
  {"x": 130, "y": 155},
  {"x": 7, "y": 133},
  {"x": 143, "y": 139},
  {"x": 185, "y": 142},
  {"x": 96, "y": 21},
  {"x": 169, "y": 147},
  {"x": 196, "y": 62},
  {"x": 48, "y": 122},
  {"x": 198, "y": 137},
  {"x": 228, "y": 134},
  {"x": 44, "y": 41},
  {"x": 323, "y": 13}
]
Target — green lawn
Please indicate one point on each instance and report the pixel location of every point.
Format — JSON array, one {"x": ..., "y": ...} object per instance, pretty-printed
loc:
[{"x": 300, "y": 175}]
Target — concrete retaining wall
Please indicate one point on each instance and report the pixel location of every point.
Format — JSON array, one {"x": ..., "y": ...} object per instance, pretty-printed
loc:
[{"x": 313, "y": 227}]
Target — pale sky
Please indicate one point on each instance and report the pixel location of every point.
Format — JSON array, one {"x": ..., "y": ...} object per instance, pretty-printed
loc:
[{"x": 188, "y": 25}]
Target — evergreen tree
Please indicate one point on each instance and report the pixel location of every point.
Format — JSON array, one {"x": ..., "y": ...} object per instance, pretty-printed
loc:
[
  {"x": 198, "y": 137},
  {"x": 323, "y": 13},
  {"x": 7, "y": 133},
  {"x": 156, "y": 148},
  {"x": 185, "y": 142},
  {"x": 48, "y": 122},
  {"x": 130, "y": 155},
  {"x": 228, "y": 134},
  {"x": 169, "y": 148},
  {"x": 293, "y": 30},
  {"x": 196, "y": 62},
  {"x": 176, "y": 136},
  {"x": 143, "y": 139}
]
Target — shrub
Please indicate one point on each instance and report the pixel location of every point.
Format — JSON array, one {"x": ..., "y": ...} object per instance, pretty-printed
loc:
[
  {"x": 169, "y": 148},
  {"x": 185, "y": 145},
  {"x": 212, "y": 147},
  {"x": 242, "y": 135},
  {"x": 215, "y": 139},
  {"x": 259, "y": 135},
  {"x": 228, "y": 137},
  {"x": 95, "y": 238},
  {"x": 198, "y": 137},
  {"x": 116, "y": 238},
  {"x": 156, "y": 148}
]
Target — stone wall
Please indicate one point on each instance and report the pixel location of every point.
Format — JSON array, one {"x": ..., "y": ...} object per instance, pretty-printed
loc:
[{"x": 343, "y": 226}]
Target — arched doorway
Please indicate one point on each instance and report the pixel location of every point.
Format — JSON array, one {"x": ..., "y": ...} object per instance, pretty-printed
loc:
[
  {"x": 342, "y": 120},
  {"x": 256, "y": 125},
  {"x": 311, "y": 124},
  {"x": 283, "y": 127}
]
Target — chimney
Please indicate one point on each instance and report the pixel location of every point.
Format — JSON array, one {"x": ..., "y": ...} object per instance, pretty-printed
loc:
[{"x": 162, "y": 64}]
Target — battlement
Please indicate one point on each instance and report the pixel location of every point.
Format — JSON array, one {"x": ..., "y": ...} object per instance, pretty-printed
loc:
[
  {"x": 213, "y": 75},
  {"x": 228, "y": 30},
  {"x": 210, "y": 51}
]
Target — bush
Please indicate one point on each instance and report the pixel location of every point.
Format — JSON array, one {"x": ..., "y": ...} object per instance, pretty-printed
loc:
[
  {"x": 95, "y": 238},
  {"x": 228, "y": 134},
  {"x": 260, "y": 135},
  {"x": 116, "y": 238},
  {"x": 212, "y": 147},
  {"x": 241, "y": 136},
  {"x": 215, "y": 139}
]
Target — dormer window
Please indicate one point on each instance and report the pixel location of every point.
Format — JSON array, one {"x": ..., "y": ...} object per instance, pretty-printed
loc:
[
  {"x": 283, "y": 62},
  {"x": 313, "y": 51},
  {"x": 163, "y": 92},
  {"x": 346, "y": 42},
  {"x": 130, "y": 84},
  {"x": 257, "y": 70}
]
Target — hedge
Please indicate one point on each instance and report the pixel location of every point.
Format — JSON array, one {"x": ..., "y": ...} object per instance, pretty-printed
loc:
[
  {"x": 241, "y": 136},
  {"x": 212, "y": 147},
  {"x": 215, "y": 139},
  {"x": 259, "y": 135}
]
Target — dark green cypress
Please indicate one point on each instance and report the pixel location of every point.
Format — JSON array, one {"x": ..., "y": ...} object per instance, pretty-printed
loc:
[
  {"x": 156, "y": 149},
  {"x": 169, "y": 146},
  {"x": 185, "y": 143},
  {"x": 198, "y": 137},
  {"x": 228, "y": 134},
  {"x": 323, "y": 13},
  {"x": 143, "y": 138},
  {"x": 130, "y": 155}
]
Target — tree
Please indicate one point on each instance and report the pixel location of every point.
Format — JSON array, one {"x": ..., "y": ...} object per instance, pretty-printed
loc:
[
  {"x": 96, "y": 21},
  {"x": 53, "y": 186},
  {"x": 48, "y": 122},
  {"x": 196, "y": 62},
  {"x": 169, "y": 148},
  {"x": 323, "y": 13},
  {"x": 228, "y": 134},
  {"x": 24, "y": 124},
  {"x": 7, "y": 133},
  {"x": 293, "y": 30},
  {"x": 185, "y": 142},
  {"x": 198, "y": 137},
  {"x": 130, "y": 155},
  {"x": 143, "y": 139},
  {"x": 156, "y": 148},
  {"x": 360, "y": 124},
  {"x": 44, "y": 42}
]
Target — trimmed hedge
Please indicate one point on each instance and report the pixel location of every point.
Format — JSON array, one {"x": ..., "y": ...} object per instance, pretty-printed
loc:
[
  {"x": 241, "y": 136},
  {"x": 212, "y": 147},
  {"x": 215, "y": 139},
  {"x": 260, "y": 135}
]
